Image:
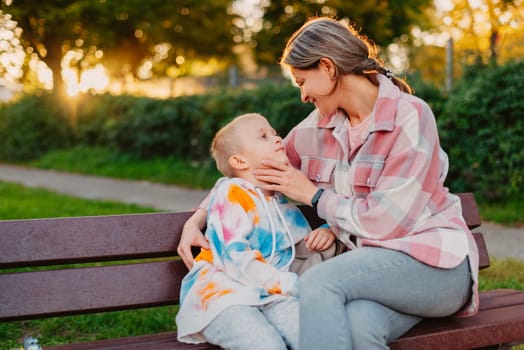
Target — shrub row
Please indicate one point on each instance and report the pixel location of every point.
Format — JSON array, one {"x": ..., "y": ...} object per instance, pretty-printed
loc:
[
  {"x": 182, "y": 127},
  {"x": 481, "y": 124},
  {"x": 32, "y": 127},
  {"x": 482, "y": 129}
]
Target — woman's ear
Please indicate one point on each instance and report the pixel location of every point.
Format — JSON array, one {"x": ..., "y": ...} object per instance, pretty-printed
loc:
[
  {"x": 236, "y": 161},
  {"x": 328, "y": 66}
]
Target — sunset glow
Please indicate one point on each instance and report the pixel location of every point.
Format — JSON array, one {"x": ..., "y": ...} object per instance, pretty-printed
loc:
[{"x": 93, "y": 79}]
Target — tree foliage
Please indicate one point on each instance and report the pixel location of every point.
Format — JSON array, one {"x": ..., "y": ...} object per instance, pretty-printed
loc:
[
  {"x": 381, "y": 21},
  {"x": 486, "y": 29},
  {"x": 10, "y": 49},
  {"x": 126, "y": 31},
  {"x": 481, "y": 30}
]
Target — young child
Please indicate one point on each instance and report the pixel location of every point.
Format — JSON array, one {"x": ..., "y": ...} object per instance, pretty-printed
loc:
[{"x": 240, "y": 294}]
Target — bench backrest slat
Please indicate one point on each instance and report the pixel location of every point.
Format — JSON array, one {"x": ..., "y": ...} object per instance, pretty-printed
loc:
[
  {"x": 56, "y": 241},
  {"x": 131, "y": 284},
  {"x": 470, "y": 210},
  {"x": 467, "y": 200},
  {"x": 82, "y": 290}
]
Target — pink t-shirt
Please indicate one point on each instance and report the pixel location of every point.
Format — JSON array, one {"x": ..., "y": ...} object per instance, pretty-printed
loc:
[{"x": 357, "y": 133}]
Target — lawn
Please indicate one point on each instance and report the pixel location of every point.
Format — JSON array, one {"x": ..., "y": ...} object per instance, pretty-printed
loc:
[
  {"x": 19, "y": 202},
  {"x": 98, "y": 161}
]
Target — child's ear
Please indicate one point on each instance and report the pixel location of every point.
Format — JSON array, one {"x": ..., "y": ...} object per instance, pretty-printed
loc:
[{"x": 236, "y": 161}]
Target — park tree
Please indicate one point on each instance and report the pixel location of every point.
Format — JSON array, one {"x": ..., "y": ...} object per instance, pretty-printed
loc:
[
  {"x": 490, "y": 30},
  {"x": 465, "y": 33},
  {"x": 10, "y": 50},
  {"x": 382, "y": 21},
  {"x": 122, "y": 33}
]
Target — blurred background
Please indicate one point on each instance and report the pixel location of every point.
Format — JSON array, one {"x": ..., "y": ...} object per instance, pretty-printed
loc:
[
  {"x": 164, "y": 49},
  {"x": 155, "y": 79}
]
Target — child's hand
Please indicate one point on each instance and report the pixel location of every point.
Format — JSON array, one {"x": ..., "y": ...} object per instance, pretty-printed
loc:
[{"x": 320, "y": 239}]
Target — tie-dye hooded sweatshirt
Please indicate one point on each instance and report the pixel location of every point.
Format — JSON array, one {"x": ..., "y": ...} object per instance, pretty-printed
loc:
[{"x": 252, "y": 240}]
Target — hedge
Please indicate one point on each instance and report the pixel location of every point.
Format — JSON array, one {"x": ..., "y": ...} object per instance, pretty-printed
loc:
[
  {"x": 481, "y": 125},
  {"x": 482, "y": 129}
]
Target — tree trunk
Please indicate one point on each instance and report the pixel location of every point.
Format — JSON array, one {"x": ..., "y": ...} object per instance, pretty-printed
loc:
[
  {"x": 53, "y": 60},
  {"x": 493, "y": 39}
]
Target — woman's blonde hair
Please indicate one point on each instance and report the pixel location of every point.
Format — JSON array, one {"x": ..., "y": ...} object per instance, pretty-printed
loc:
[
  {"x": 351, "y": 52},
  {"x": 226, "y": 143}
]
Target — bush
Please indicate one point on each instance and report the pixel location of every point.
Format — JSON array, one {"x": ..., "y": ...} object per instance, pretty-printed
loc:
[
  {"x": 482, "y": 128},
  {"x": 433, "y": 95},
  {"x": 33, "y": 126},
  {"x": 481, "y": 125},
  {"x": 183, "y": 127},
  {"x": 139, "y": 126}
]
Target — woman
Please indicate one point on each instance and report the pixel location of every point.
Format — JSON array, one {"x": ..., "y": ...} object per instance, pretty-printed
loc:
[{"x": 368, "y": 159}]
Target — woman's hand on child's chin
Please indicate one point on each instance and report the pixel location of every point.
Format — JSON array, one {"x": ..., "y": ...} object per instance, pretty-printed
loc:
[{"x": 284, "y": 178}]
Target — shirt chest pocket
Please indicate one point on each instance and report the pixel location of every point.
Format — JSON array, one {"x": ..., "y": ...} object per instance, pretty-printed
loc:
[
  {"x": 366, "y": 174},
  {"x": 319, "y": 170}
]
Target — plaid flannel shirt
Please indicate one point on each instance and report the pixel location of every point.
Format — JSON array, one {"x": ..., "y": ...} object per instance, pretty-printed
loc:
[{"x": 388, "y": 192}]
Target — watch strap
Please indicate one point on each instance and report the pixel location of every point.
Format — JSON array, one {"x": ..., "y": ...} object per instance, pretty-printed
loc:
[{"x": 316, "y": 197}]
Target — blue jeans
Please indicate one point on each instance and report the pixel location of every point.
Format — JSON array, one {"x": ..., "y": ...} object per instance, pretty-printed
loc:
[{"x": 367, "y": 297}]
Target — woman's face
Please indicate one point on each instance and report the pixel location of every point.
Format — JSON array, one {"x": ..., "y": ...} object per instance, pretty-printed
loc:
[{"x": 317, "y": 86}]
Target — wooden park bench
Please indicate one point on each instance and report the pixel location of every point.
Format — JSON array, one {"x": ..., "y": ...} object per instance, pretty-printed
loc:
[{"x": 137, "y": 281}]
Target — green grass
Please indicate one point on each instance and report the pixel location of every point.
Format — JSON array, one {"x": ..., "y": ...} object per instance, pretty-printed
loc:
[
  {"x": 63, "y": 330},
  {"x": 509, "y": 212},
  {"x": 19, "y": 202},
  {"x": 97, "y": 161},
  {"x": 503, "y": 273}
]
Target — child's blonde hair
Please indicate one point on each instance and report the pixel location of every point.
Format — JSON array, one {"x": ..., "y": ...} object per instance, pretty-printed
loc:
[{"x": 225, "y": 143}]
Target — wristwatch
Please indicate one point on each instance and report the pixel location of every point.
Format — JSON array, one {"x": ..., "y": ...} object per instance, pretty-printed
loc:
[{"x": 316, "y": 197}]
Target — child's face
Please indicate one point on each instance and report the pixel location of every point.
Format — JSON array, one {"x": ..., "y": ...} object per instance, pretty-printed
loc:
[{"x": 260, "y": 142}]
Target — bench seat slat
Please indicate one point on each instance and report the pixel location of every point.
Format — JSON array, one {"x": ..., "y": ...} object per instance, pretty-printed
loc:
[
  {"x": 47, "y": 293},
  {"x": 496, "y": 298},
  {"x": 432, "y": 334},
  {"x": 161, "y": 341},
  {"x": 86, "y": 239},
  {"x": 500, "y": 320}
]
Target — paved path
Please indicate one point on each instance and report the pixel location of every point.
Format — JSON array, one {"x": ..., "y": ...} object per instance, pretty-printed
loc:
[
  {"x": 144, "y": 193},
  {"x": 502, "y": 241}
]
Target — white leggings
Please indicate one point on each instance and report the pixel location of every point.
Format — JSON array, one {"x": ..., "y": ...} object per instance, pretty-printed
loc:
[{"x": 272, "y": 326}]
